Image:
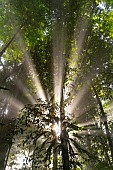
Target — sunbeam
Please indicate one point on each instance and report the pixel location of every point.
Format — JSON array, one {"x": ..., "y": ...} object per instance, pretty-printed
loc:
[
  {"x": 30, "y": 68},
  {"x": 75, "y": 97},
  {"x": 58, "y": 60},
  {"x": 25, "y": 91},
  {"x": 82, "y": 33},
  {"x": 92, "y": 132},
  {"x": 13, "y": 102},
  {"x": 74, "y": 103},
  {"x": 56, "y": 71}
]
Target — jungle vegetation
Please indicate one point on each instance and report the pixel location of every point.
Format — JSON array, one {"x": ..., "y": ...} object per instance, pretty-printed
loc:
[{"x": 56, "y": 85}]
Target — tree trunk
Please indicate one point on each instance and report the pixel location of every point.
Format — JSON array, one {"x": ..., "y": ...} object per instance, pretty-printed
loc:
[
  {"x": 104, "y": 119},
  {"x": 64, "y": 134},
  {"x": 65, "y": 155},
  {"x": 3, "y": 151},
  {"x": 55, "y": 158},
  {"x": 10, "y": 41},
  {"x": 5, "y": 142},
  {"x": 7, "y": 156}
]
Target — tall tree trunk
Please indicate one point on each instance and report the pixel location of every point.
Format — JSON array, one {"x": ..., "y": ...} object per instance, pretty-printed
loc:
[
  {"x": 10, "y": 41},
  {"x": 5, "y": 142},
  {"x": 64, "y": 136},
  {"x": 65, "y": 155},
  {"x": 7, "y": 156},
  {"x": 104, "y": 119},
  {"x": 55, "y": 158},
  {"x": 3, "y": 151}
]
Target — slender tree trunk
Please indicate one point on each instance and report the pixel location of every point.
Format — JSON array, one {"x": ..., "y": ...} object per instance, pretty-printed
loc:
[
  {"x": 5, "y": 133},
  {"x": 10, "y": 41},
  {"x": 55, "y": 158},
  {"x": 104, "y": 119},
  {"x": 64, "y": 137},
  {"x": 107, "y": 156},
  {"x": 3, "y": 151},
  {"x": 88, "y": 142},
  {"x": 7, "y": 156},
  {"x": 65, "y": 155}
]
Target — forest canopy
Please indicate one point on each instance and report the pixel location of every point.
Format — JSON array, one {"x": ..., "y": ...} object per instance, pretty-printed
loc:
[{"x": 56, "y": 84}]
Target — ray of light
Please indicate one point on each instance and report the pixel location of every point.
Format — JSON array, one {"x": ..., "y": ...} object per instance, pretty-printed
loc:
[
  {"x": 16, "y": 103},
  {"x": 73, "y": 105},
  {"x": 83, "y": 31},
  {"x": 78, "y": 42},
  {"x": 13, "y": 101},
  {"x": 58, "y": 61},
  {"x": 30, "y": 66},
  {"x": 77, "y": 45},
  {"x": 31, "y": 69},
  {"x": 92, "y": 132},
  {"x": 25, "y": 91},
  {"x": 88, "y": 123}
]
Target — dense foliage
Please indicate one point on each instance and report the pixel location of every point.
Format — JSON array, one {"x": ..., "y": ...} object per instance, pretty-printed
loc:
[{"x": 56, "y": 83}]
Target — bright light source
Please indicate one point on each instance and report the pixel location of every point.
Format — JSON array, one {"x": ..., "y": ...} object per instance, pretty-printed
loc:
[
  {"x": 1, "y": 43},
  {"x": 51, "y": 165},
  {"x": 20, "y": 161},
  {"x": 57, "y": 128},
  {"x": 20, "y": 158},
  {"x": 6, "y": 111},
  {"x": 102, "y": 5}
]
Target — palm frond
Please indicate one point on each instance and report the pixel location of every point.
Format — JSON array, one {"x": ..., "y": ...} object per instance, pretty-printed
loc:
[
  {"x": 79, "y": 148},
  {"x": 76, "y": 135},
  {"x": 4, "y": 88},
  {"x": 75, "y": 127},
  {"x": 44, "y": 143},
  {"x": 48, "y": 154},
  {"x": 39, "y": 135},
  {"x": 71, "y": 151}
]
